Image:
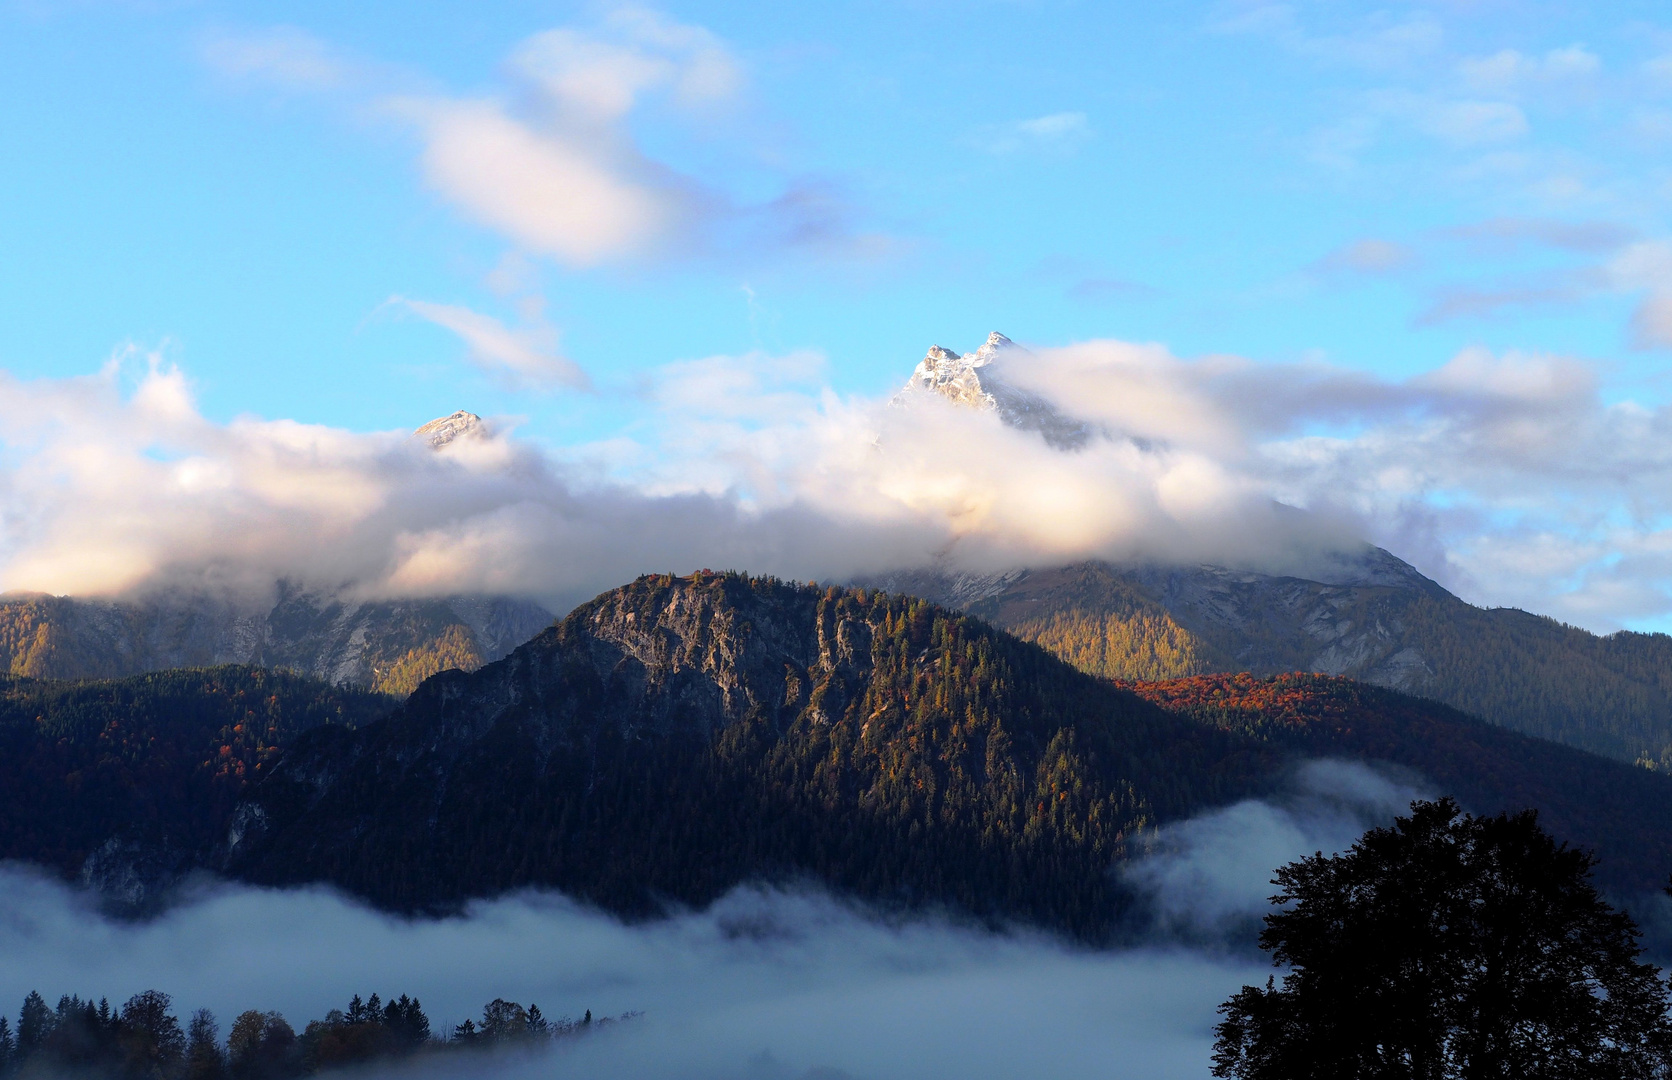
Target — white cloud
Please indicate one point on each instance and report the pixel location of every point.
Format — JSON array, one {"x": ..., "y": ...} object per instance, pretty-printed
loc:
[
  {"x": 1508, "y": 70},
  {"x": 581, "y": 197},
  {"x": 1060, "y": 130},
  {"x": 548, "y": 158},
  {"x": 1507, "y": 475},
  {"x": 526, "y": 356}
]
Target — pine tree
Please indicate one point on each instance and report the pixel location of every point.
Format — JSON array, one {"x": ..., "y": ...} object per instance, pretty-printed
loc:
[
  {"x": 8, "y": 1048},
  {"x": 34, "y": 1024}
]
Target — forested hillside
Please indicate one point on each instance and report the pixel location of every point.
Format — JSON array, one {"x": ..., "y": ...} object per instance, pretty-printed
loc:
[
  {"x": 1621, "y": 812},
  {"x": 678, "y": 736},
  {"x": 94, "y": 774},
  {"x": 1381, "y": 623},
  {"x": 385, "y": 645}
]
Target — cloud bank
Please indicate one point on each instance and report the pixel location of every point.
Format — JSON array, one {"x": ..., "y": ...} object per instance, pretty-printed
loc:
[
  {"x": 1507, "y": 476},
  {"x": 762, "y": 984}
]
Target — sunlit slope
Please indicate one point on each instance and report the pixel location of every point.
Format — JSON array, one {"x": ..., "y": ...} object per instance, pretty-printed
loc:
[
  {"x": 678, "y": 736},
  {"x": 1391, "y": 627}
]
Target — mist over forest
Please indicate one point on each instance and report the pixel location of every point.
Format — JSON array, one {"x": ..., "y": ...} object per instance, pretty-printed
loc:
[{"x": 766, "y": 983}]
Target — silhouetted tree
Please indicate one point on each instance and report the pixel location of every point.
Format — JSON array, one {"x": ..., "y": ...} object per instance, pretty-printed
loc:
[
  {"x": 8, "y": 1047},
  {"x": 153, "y": 1044},
  {"x": 204, "y": 1059},
  {"x": 503, "y": 1021},
  {"x": 1448, "y": 946},
  {"x": 34, "y": 1024},
  {"x": 261, "y": 1046},
  {"x": 82, "y": 1039},
  {"x": 406, "y": 1022}
]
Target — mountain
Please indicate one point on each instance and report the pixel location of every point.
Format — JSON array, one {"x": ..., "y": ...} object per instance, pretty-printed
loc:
[
  {"x": 1364, "y": 614},
  {"x": 1375, "y": 619},
  {"x": 977, "y": 380},
  {"x": 389, "y": 646},
  {"x": 1622, "y": 813},
  {"x": 126, "y": 783},
  {"x": 385, "y": 645},
  {"x": 678, "y": 736}
]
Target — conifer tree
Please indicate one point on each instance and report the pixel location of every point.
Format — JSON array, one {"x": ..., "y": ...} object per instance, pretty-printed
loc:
[{"x": 34, "y": 1024}]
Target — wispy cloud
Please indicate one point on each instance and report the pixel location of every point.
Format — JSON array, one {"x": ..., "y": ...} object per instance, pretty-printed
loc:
[
  {"x": 1503, "y": 474},
  {"x": 1377, "y": 41},
  {"x": 1063, "y": 130},
  {"x": 1509, "y": 70},
  {"x": 548, "y": 158},
  {"x": 1369, "y": 256},
  {"x": 527, "y": 356}
]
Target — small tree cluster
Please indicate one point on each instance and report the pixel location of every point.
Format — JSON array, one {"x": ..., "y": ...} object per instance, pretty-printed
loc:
[{"x": 144, "y": 1040}]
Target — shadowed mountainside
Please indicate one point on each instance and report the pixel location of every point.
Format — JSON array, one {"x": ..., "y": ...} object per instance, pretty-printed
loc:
[{"x": 124, "y": 783}]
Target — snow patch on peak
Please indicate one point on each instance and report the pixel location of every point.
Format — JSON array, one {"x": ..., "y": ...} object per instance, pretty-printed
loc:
[
  {"x": 975, "y": 380},
  {"x": 441, "y": 431}
]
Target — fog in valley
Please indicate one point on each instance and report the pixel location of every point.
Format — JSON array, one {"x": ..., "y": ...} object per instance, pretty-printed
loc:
[{"x": 765, "y": 983}]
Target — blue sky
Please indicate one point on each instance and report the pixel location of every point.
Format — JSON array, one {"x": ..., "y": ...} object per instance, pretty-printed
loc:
[{"x": 294, "y": 205}]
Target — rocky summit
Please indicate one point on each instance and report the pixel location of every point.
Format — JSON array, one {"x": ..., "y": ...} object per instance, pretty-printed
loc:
[
  {"x": 977, "y": 380},
  {"x": 443, "y": 430}
]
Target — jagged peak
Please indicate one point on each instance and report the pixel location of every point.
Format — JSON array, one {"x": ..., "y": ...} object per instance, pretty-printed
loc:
[
  {"x": 443, "y": 430},
  {"x": 964, "y": 378}
]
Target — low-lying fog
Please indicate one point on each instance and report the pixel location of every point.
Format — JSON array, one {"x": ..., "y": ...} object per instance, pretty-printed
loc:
[{"x": 762, "y": 984}]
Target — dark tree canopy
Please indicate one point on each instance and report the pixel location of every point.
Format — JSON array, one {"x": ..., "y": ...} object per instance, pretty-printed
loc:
[{"x": 1448, "y": 946}]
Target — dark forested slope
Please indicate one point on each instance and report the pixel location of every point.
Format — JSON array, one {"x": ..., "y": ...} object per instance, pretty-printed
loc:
[
  {"x": 1621, "y": 812},
  {"x": 678, "y": 736},
  {"x": 91, "y": 772}
]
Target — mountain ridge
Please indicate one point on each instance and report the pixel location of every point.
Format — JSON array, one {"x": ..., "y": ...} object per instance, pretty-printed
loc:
[
  {"x": 680, "y": 736},
  {"x": 1376, "y": 619},
  {"x": 386, "y": 645}
]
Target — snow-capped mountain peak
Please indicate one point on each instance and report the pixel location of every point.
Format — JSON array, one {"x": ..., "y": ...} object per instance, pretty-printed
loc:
[
  {"x": 975, "y": 379},
  {"x": 441, "y": 431}
]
